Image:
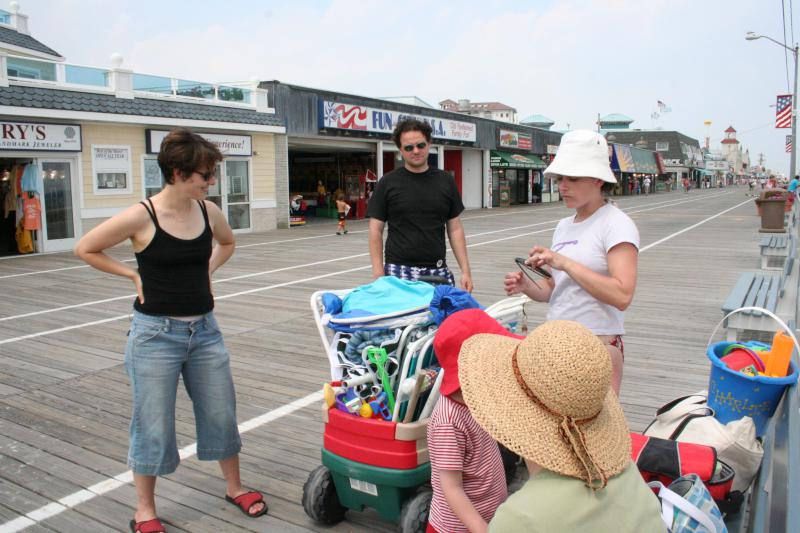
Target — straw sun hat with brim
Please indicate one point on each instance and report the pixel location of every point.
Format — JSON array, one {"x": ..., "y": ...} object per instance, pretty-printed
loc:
[
  {"x": 548, "y": 398},
  {"x": 582, "y": 154}
]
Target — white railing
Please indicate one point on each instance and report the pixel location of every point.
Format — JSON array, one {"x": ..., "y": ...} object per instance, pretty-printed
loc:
[{"x": 127, "y": 84}]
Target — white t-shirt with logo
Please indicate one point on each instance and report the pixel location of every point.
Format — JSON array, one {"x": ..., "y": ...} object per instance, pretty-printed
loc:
[{"x": 588, "y": 242}]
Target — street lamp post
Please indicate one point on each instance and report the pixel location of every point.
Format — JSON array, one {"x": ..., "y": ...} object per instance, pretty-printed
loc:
[{"x": 750, "y": 36}]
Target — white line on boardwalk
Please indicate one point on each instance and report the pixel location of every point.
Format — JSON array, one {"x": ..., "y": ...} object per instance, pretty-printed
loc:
[
  {"x": 251, "y": 245},
  {"x": 110, "y": 484},
  {"x": 98, "y": 489},
  {"x": 127, "y": 315},
  {"x": 296, "y": 239},
  {"x": 684, "y": 230},
  {"x": 658, "y": 205}
]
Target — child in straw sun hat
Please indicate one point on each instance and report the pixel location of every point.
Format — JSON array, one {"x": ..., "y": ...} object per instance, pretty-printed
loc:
[
  {"x": 467, "y": 474},
  {"x": 594, "y": 253},
  {"x": 548, "y": 398}
]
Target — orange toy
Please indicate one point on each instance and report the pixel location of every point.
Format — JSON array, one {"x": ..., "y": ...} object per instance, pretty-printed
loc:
[{"x": 777, "y": 364}]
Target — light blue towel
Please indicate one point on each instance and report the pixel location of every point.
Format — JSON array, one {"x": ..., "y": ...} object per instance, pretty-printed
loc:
[{"x": 385, "y": 295}]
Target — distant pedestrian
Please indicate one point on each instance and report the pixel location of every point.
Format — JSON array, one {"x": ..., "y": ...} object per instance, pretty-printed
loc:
[
  {"x": 685, "y": 183},
  {"x": 342, "y": 208},
  {"x": 793, "y": 186},
  {"x": 647, "y": 185}
]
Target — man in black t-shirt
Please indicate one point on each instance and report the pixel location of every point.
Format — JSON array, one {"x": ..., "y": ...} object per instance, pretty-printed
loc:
[{"x": 418, "y": 203}]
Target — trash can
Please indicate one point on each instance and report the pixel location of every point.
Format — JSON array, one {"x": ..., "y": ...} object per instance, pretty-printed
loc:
[{"x": 771, "y": 205}]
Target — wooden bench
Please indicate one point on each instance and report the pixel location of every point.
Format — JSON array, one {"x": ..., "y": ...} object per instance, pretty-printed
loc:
[
  {"x": 774, "y": 249},
  {"x": 772, "y": 290},
  {"x": 771, "y": 505}
]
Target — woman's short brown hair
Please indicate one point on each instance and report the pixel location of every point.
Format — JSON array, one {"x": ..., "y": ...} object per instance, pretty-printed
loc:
[{"x": 186, "y": 152}]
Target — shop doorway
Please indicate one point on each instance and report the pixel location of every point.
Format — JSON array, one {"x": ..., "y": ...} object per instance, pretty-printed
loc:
[
  {"x": 48, "y": 185},
  {"x": 320, "y": 173},
  {"x": 518, "y": 183}
]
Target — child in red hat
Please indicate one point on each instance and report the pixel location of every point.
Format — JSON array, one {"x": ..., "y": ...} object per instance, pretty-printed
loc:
[{"x": 467, "y": 475}]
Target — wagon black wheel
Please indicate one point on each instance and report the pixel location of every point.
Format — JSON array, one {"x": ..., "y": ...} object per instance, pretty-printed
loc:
[
  {"x": 414, "y": 514},
  {"x": 320, "y": 501}
]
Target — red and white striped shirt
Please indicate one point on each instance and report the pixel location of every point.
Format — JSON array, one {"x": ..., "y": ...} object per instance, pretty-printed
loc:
[{"x": 457, "y": 442}]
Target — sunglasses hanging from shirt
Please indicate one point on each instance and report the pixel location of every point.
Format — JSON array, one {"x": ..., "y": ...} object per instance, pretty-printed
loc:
[{"x": 529, "y": 270}]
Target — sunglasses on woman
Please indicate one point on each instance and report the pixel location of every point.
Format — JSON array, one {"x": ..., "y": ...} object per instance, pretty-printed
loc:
[
  {"x": 418, "y": 146},
  {"x": 206, "y": 175}
]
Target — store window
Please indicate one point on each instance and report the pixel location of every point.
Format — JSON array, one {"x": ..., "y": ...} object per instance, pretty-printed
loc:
[
  {"x": 153, "y": 182},
  {"x": 237, "y": 175},
  {"x": 111, "y": 167},
  {"x": 57, "y": 182},
  {"x": 231, "y": 190},
  {"x": 662, "y": 147}
]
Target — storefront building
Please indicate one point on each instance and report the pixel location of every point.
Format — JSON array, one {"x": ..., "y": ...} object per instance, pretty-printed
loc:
[
  {"x": 516, "y": 171},
  {"x": 85, "y": 152},
  {"x": 342, "y": 143},
  {"x": 680, "y": 154},
  {"x": 631, "y": 166}
]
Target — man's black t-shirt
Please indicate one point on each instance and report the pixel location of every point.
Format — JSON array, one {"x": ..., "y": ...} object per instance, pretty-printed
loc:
[{"x": 416, "y": 207}]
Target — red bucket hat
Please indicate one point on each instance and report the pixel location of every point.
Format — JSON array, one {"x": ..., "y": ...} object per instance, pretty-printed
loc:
[{"x": 452, "y": 333}]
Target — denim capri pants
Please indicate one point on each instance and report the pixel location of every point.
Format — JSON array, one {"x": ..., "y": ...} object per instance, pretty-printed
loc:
[{"x": 159, "y": 351}]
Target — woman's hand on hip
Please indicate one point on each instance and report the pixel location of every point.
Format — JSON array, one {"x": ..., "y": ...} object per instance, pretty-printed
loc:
[{"x": 137, "y": 281}]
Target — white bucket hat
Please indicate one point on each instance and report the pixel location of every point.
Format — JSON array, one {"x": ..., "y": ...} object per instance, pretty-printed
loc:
[{"x": 582, "y": 154}]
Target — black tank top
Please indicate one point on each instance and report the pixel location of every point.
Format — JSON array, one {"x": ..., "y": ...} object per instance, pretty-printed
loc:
[{"x": 174, "y": 272}]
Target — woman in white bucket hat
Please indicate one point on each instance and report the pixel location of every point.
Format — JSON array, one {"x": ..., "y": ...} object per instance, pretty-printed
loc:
[{"x": 594, "y": 254}]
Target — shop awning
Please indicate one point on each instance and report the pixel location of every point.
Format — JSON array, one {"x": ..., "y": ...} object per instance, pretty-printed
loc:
[
  {"x": 507, "y": 160},
  {"x": 622, "y": 160},
  {"x": 644, "y": 161}
]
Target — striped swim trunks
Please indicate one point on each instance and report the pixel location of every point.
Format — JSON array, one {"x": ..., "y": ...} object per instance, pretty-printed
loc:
[{"x": 413, "y": 273}]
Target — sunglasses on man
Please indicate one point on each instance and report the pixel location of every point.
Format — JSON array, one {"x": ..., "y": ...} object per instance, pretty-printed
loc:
[
  {"x": 529, "y": 270},
  {"x": 418, "y": 146}
]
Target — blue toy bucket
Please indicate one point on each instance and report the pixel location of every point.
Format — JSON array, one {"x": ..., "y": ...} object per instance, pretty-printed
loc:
[{"x": 734, "y": 395}]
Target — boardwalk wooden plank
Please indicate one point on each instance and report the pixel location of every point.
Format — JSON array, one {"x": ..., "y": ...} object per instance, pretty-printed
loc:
[{"x": 65, "y": 397}]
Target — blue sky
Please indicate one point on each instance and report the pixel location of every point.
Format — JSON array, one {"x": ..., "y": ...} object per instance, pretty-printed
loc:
[{"x": 567, "y": 59}]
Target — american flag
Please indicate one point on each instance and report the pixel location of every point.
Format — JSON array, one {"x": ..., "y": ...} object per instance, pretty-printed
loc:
[
  {"x": 783, "y": 111},
  {"x": 788, "y": 144}
]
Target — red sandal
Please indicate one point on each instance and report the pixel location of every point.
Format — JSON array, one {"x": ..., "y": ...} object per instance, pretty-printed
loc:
[
  {"x": 153, "y": 525},
  {"x": 246, "y": 501}
]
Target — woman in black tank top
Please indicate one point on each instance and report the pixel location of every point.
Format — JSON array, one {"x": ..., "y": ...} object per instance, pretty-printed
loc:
[{"x": 173, "y": 332}]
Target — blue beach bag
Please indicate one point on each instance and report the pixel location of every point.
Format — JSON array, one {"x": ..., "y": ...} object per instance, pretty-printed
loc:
[{"x": 687, "y": 506}]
